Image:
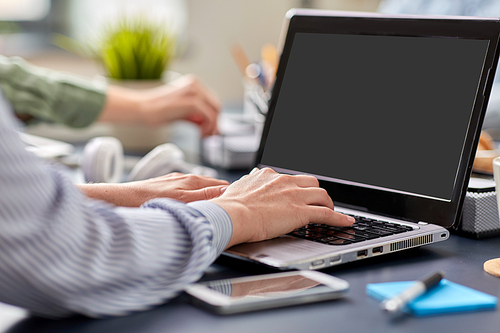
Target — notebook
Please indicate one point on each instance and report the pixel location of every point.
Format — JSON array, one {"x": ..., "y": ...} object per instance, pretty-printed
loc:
[
  {"x": 447, "y": 297},
  {"x": 386, "y": 112}
]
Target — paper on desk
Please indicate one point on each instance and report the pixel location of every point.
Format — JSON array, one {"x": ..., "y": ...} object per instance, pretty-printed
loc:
[{"x": 447, "y": 297}]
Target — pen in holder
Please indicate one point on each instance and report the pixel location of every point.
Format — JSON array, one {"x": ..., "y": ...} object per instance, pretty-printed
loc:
[
  {"x": 255, "y": 105},
  {"x": 258, "y": 79},
  {"x": 237, "y": 144}
]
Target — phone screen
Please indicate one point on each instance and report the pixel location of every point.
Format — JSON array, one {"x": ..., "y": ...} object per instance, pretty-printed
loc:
[
  {"x": 296, "y": 285},
  {"x": 266, "y": 291}
]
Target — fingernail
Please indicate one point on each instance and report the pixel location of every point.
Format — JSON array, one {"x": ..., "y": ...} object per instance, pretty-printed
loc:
[
  {"x": 350, "y": 219},
  {"x": 254, "y": 170},
  {"x": 223, "y": 189}
]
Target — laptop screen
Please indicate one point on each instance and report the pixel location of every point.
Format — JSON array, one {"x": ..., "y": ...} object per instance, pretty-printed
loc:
[{"x": 385, "y": 111}]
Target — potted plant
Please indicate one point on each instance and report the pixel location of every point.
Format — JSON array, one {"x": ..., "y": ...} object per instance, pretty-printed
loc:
[
  {"x": 134, "y": 48},
  {"x": 134, "y": 52}
]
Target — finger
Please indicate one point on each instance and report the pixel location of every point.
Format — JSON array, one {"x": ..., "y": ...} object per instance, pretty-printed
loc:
[
  {"x": 316, "y": 196},
  {"x": 306, "y": 181},
  {"x": 209, "y": 117},
  {"x": 486, "y": 142},
  {"x": 196, "y": 182},
  {"x": 204, "y": 181},
  {"x": 206, "y": 127},
  {"x": 215, "y": 180},
  {"x": 211, "y": 105},
  {"x": 318, "y": 214},
  {"x": 174, "y": 174},
  {"x": 254, "y": 170},
  {"x": 190, "y": 181},
  {"x": 206, "y": 193},
  {"x": 210, "y": 97},
  {"x": 200, "y": 91}
]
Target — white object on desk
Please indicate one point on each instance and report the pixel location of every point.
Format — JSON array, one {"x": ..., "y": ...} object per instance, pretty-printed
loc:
[
  {"x": 231, "y": 152},
  {"x": 237, "y": 145},
  {"x": 164, "y": 159},
  {"x": 102, "y": 160},
  {"x": 10, "y": 315},
  {"x": 46, "y": 148}
]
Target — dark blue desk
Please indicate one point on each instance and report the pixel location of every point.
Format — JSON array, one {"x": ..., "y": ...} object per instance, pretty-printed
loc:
[{"x": 461, "y": 259}]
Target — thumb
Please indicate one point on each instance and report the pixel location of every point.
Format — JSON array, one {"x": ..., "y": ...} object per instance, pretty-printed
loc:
[{"x": 207, "y": 193}]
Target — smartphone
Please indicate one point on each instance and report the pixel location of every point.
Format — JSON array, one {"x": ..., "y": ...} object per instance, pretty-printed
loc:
[{"x": 266, "y": 291}]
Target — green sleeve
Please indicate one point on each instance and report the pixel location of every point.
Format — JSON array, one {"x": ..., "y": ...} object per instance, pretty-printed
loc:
[{"x": 50, "y": 96}]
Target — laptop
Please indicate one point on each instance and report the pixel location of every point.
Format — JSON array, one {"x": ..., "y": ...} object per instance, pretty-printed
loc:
[{"x": 386, "y": 111}]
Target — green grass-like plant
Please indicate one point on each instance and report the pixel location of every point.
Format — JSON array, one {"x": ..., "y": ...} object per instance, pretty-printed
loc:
[
  {"x": 132, "y": 48},
  {"x": 135, "y": 49}
]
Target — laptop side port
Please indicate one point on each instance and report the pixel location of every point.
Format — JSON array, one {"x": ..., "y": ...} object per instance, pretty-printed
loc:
[
  {"x": 317, "y": 264},
  {"x": 335, "y": 260},
  {"x": 362, "y": 253},
  {"x": 377, "y": 250}
]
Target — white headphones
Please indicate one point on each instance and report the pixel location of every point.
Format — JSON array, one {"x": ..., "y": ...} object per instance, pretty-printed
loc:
[{"x": 102, "y": 162}]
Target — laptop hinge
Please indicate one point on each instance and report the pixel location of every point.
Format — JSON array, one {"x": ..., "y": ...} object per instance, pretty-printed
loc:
[
  {"x": 366, "y": 210},
  {"x": 353, "y": 207}
]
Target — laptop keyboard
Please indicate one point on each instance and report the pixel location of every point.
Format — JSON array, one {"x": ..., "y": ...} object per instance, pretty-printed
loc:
[{"x": 363, "y": 229}]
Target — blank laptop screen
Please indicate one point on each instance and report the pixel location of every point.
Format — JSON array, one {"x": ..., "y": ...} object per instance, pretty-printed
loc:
[{"x": 385, "y": 112}]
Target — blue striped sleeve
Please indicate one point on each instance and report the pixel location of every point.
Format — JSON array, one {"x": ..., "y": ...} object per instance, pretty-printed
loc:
[{"x": 62, "y": 253}]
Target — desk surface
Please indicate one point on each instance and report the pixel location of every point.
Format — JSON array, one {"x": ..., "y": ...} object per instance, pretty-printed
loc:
[{"x": 461, "y": 259}]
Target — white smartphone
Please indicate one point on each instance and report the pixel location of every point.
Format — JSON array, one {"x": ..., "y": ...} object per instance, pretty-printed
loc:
[{"x": 266, "y": 291}]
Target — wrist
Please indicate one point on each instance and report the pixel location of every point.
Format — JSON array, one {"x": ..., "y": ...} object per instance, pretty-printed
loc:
[
  {"x": 123, "y": 106},
  {"x": 242, "y": 224},
  {"x": 220, "y": 221}
]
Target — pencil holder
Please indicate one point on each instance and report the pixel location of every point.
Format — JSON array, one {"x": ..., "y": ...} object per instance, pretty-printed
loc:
[
  {"x": 255, "y": 105},
  {"x": 480, "y": 216}
]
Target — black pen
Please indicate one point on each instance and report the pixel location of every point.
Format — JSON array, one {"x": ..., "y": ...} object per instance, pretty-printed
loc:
[{"x": 422, "y": 285}]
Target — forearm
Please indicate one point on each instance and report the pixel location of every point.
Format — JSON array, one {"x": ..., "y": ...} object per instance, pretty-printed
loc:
[{"x": 61, "y": 253}]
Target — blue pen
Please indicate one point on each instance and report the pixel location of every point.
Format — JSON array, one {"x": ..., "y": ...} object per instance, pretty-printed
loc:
[{"x": 254, "y": 71}]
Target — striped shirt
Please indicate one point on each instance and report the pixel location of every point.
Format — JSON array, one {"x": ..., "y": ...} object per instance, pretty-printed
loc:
[{"x": 63, "y": 253}]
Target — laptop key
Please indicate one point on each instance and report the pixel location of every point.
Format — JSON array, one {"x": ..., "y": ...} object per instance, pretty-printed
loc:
[
  {"x": 363, "y": 229},
  {"x": 313, "y": 235},
  {"x": 326, "y": 239},
  {"x": 380, "y": 232},
  {"x": 351, "y": 238},
  {"x": 389, "y": 229},
  {"x": 317, "y": 229},
  {"x": 340, "y": 241},
  {"x": 360, "y": 227},
  {"x": 362, "y": 233}
]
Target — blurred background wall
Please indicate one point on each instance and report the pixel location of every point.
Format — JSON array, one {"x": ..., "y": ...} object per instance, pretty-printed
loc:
[{"x": 207, "y": 31}]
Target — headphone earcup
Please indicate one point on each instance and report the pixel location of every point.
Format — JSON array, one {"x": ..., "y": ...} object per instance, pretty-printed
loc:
[
  {"x": 165, "y": 159},
  {"x": 196, "y": 169},
  {"x": 157, "y": 162},
  {"x": 102, "y": 160}
]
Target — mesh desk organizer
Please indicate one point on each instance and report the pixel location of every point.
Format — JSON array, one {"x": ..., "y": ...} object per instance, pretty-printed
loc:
[{"x": 480, "y": 216}]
